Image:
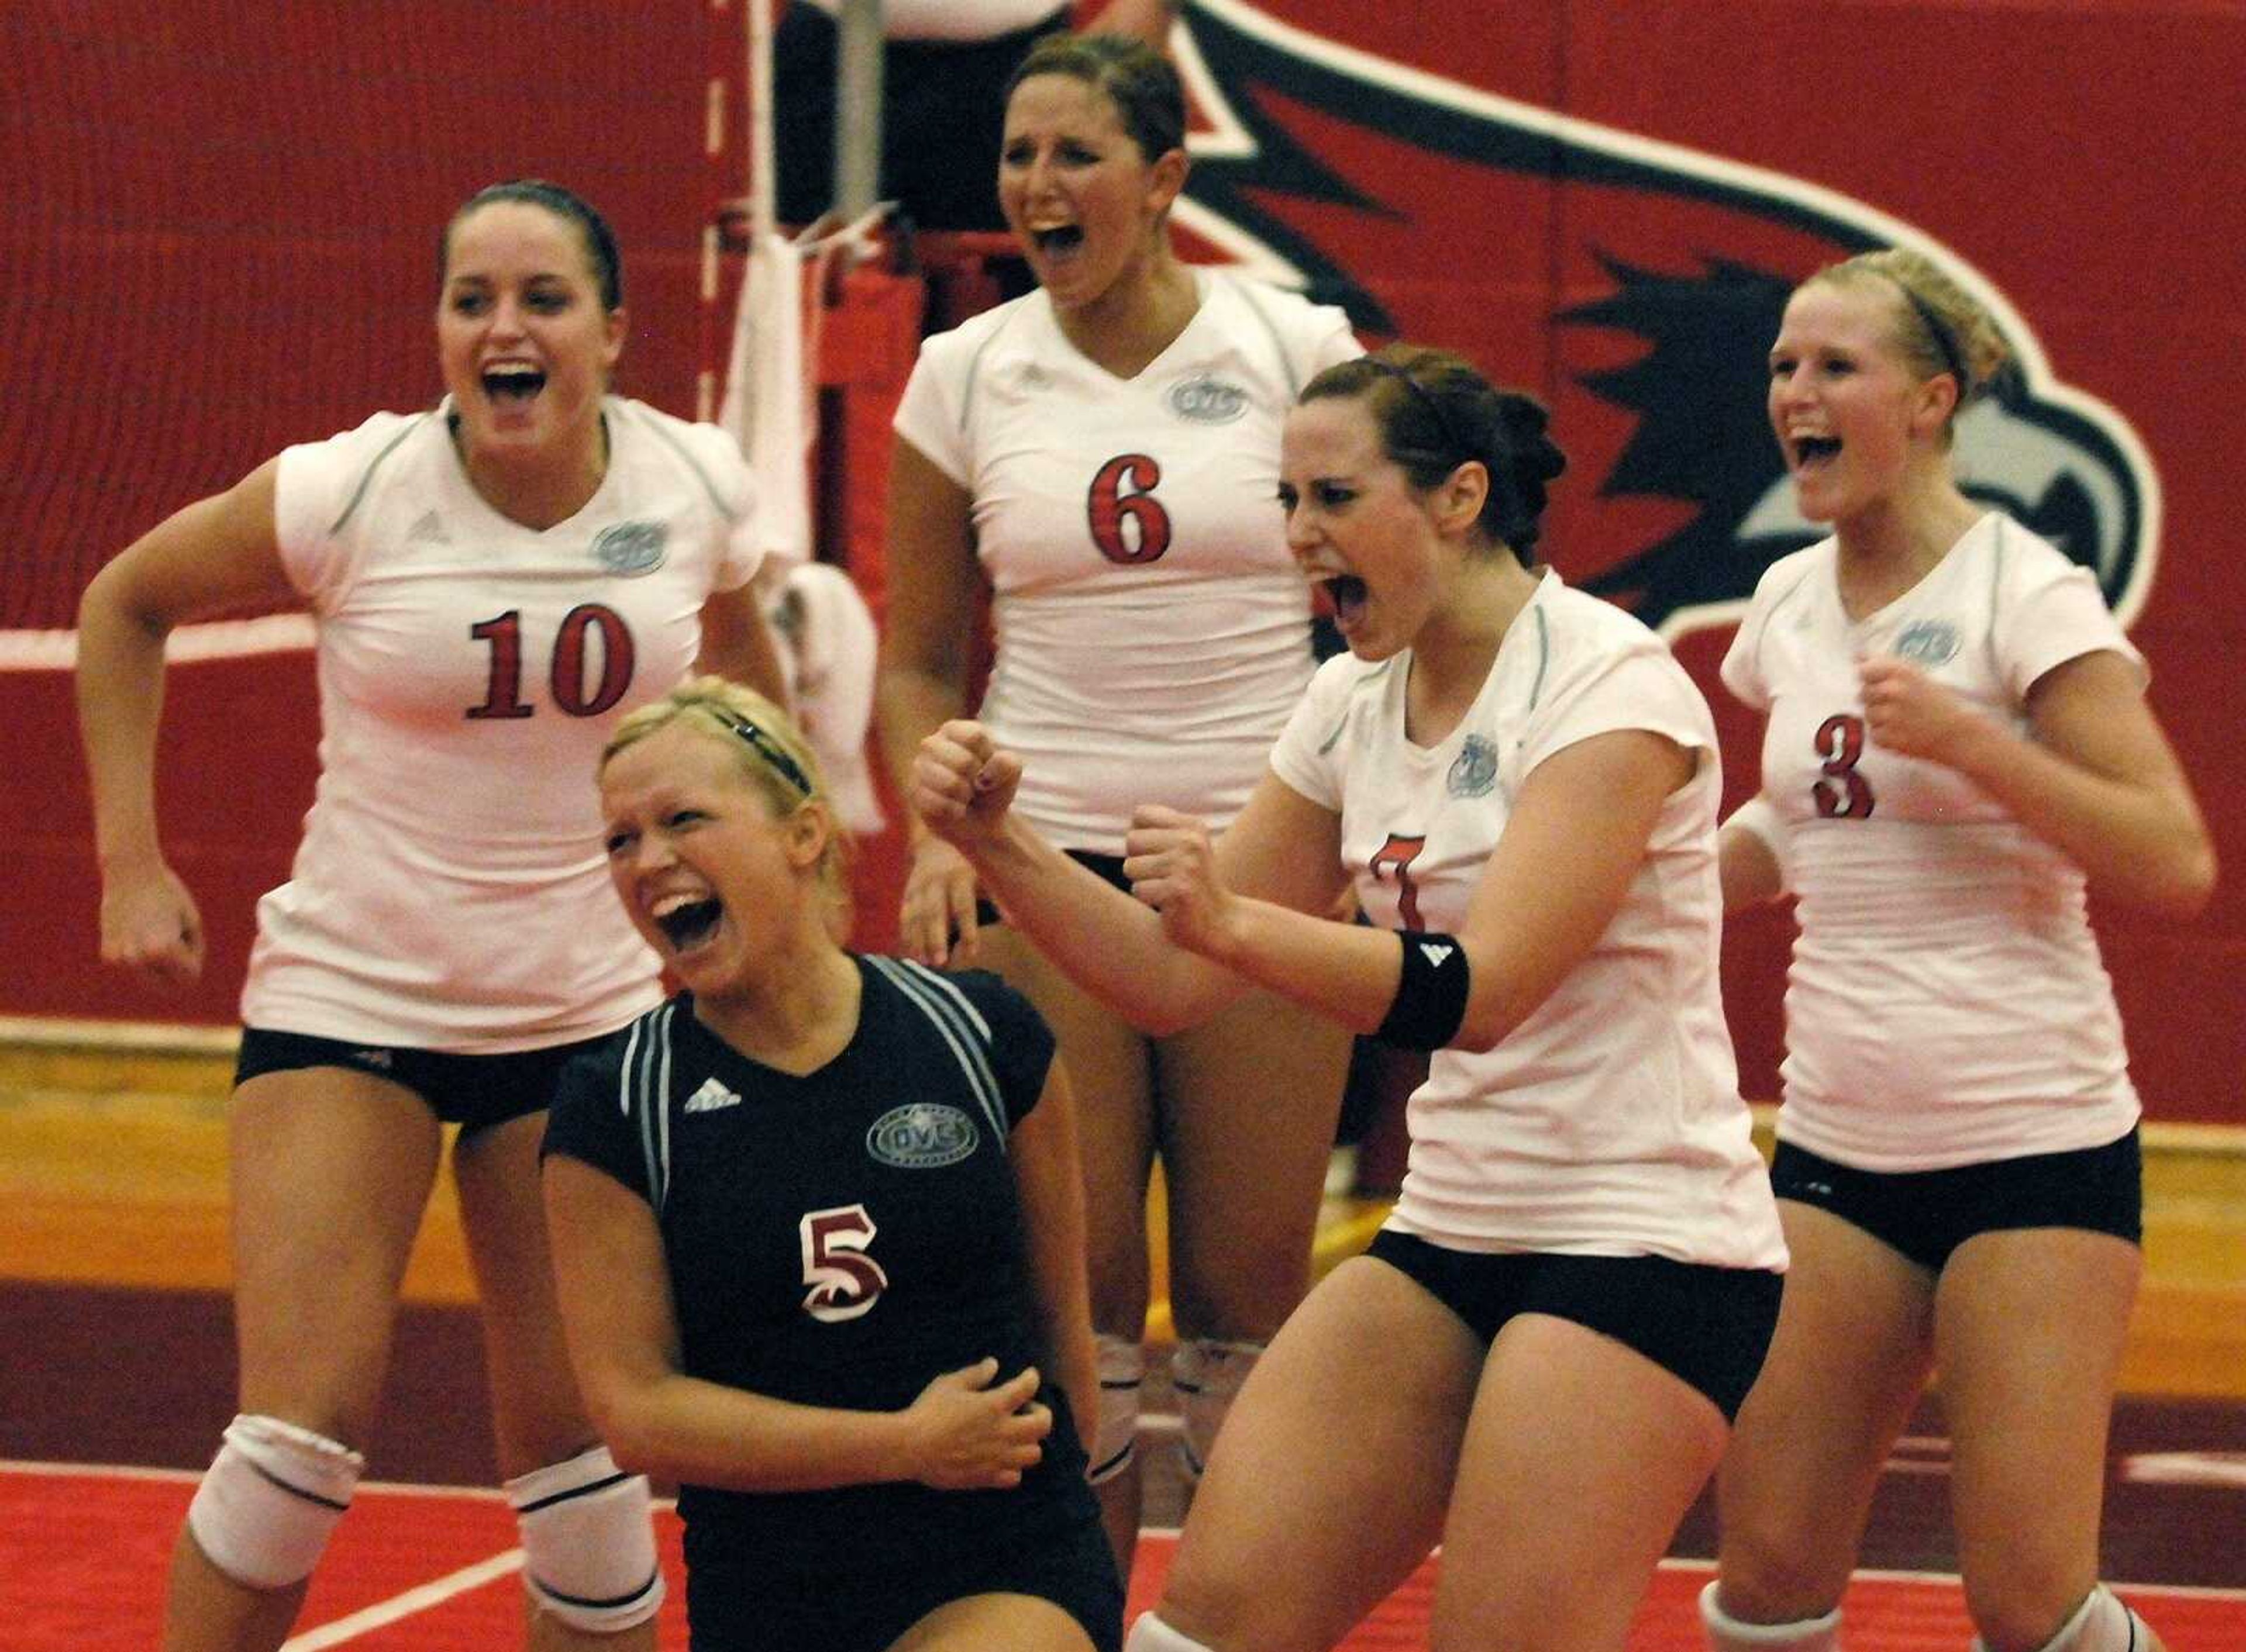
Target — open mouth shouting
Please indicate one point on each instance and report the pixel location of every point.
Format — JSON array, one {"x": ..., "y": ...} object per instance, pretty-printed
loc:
[
  {"x": 1814, "y": 452},
  {"x": 688, "y": 923},
  {"x": 1345, "y": 594},
  {"x": 512, "y": 385},
  {"x": 1058, "y": 242}
]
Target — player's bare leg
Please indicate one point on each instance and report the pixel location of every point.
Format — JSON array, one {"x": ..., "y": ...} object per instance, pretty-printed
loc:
[
  {"x": 539, "y": 1421},
  {"x": 330, "y": 1171}
]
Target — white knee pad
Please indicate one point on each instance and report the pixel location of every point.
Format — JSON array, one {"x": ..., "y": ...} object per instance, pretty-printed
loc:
[
  {"x": 270, "y": 1499},
  {"x": 1115, "y": 1435},
  {"x": 2101, "y": 1623},
  {"x": 1150, "y": 1634},
  {"x": 587, "y": 1542},
  {"x": 1727, "y": 1634},
  {"x": 1207, "y": 1374}
]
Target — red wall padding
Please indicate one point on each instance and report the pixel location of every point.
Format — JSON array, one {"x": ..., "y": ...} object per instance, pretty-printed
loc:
[{"x": 218, "y": 222}]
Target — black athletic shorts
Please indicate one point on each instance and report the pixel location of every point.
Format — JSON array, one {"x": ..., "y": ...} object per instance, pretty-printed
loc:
[
  {"x": 472, "y": 1091},
  {"x": 1708, "y": 1326},
  {"x": 1109, "y": 867},
  {"x": 737, "y": 1602},
  {"x": 1926, "y": 1215}
]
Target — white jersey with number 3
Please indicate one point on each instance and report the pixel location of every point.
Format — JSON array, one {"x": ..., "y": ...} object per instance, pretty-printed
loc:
[
  {"x": 449, "y": 892},
  {"x": 1607, "y": 1123},
  {"x": 1946, "y": 1005},
  {"x": 1153, "y": 632}
]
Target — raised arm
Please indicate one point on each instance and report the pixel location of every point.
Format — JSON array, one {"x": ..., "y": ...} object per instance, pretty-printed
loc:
[
  {"x": 1576, "y": 838},
  {"x": 933, "y": 584},
  {"x": 1282, "y": 849},
  {"x": 963, "y": 1433},
  {"x": 218, "y": 553},
  {"x": 2099, "y": 781}
]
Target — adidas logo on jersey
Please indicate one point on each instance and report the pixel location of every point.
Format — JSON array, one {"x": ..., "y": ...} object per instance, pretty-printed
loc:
[
  {"x": 1436, "y": 952},
  {"x": 428, "y": 531},
  {"x": 711, "y": 1096}
]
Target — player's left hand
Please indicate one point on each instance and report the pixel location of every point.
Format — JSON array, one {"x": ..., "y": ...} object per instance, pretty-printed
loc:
[{"x": 1171, "y": 861}]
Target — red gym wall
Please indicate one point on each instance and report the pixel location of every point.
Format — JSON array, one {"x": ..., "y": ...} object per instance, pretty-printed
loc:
[{"x": 219, "y": 224}]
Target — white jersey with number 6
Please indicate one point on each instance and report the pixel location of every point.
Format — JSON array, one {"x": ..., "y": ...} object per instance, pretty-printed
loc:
[{"x": 1153, "y": 632}]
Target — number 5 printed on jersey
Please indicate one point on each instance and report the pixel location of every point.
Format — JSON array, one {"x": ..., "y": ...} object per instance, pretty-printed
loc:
[{"x": 844, "y": 1281}]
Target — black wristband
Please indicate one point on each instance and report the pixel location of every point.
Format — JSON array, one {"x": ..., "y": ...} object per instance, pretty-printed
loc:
[{"x": 1431, "y": 994}]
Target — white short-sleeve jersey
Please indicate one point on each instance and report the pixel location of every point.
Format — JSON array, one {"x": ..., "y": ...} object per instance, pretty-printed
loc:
[
  {"x": 1945, "y": 1004},
  {"x": 1153, "y": 632},
  {"x": 1608, "y": 1123},
  {"x": 449, "y": 892}
]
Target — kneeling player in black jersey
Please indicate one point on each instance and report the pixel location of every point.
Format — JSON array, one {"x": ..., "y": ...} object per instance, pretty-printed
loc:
[{"x": 819, "y": 1235}]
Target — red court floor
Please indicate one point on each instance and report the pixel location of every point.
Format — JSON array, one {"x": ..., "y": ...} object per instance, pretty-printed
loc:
[
  {"x": 99, "y": 1376},
  {"x": 419, "y": 1568}
]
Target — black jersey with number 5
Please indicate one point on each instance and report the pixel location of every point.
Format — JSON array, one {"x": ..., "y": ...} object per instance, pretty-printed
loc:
[{"x": 841, "y": 1238}]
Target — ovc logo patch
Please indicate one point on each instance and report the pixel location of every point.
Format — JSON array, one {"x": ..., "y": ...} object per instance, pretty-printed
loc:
[
  {"x": 1928, "y": 642},
  {"x": 630, "y": 548},
  {"x": 921, "y": 1135},
  {"x": 1208, "y": 400}
]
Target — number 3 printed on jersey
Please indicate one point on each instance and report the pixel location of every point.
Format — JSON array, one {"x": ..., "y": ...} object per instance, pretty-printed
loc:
[
  {"x": 843, "y": 1280},
  {"x": 1842, "y": 794},
  {"x": 1128, "y": 522}
]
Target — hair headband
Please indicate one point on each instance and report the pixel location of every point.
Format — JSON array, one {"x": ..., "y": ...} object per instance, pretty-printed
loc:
[
  {"x": 1945, "y": 340},
  {"x": 763, "y": 745}
]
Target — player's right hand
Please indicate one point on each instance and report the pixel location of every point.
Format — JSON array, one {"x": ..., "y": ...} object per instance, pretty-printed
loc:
[
  {"x": 149, "y": 923},
  {"x": 963, "y": 784},
  {"x": 967, "y": 1433}
]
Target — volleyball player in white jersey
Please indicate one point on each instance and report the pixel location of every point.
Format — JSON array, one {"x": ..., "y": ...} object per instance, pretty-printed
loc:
[
  {"x": 1958, "y": 738},
  {"x": 1102, "y": 454},
  {"x": 1536, "y": 1361},
  {"x": 494, "y": 583}
]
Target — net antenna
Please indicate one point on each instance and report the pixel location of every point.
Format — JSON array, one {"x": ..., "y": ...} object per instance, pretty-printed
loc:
[
  {"x": 858, "y": 108},
  {"x": 769, "y": 382},
  {"x": 763, "y": 179}
]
